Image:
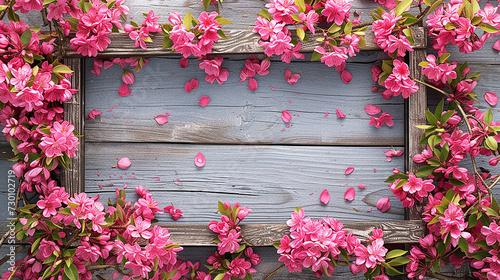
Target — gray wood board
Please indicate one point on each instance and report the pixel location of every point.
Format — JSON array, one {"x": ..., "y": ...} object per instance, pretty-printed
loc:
[
  {"x": 235, "y": 114},
  {"x": 5, "y": 166},
  {"x": 271, "y": 180}
]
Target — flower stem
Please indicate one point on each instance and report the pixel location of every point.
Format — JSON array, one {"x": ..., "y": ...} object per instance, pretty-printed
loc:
[{"x": 276, "y": 270}]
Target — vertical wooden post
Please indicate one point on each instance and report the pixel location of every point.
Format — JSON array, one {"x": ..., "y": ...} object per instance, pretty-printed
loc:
[
  {"x": 74, "y": 180},
  {"x": 415, "y": 107}
]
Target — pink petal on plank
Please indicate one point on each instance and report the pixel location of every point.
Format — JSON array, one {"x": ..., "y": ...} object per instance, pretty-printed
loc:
[
  {"x": 204, "y": 100},
  {"x": 326, "y": 114},
  {"x": 346, "y": 76},
  {"x": 162, "y": 119},
  {"x": 124, "y": 90},
  {"x": 176, "y": 213},
  {"x": 376, "y": 72},
  {"x": 93, "y": 113},
  {"x": 324, "y": 196},
  {"x": 291, "y": 79},
  {"x": 252, "y": 84},
  {"x": 189, "y": 86},
  {"x": 361, "y": 186},
  {"x": 199, "y": 160},
  {"x": 496, "y": 45},
  {"x": 350, "y": 194},
  {"x": 339, "y": 113},
  {"x": 383, "y": 204},
  {"x": 491, "y": 98},
  {"x": 392, "y": 153},
  {"x": 184, "y": 62},
  {"x": 286, "y": 116},
  {"x": 372, "y": 109},
  {"x": 349, "y": 170},
  {"x": 124, "y": 163}
]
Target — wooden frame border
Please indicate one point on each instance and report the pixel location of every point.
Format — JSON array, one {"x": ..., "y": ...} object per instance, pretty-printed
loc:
[{"x": 246, "y": 42}]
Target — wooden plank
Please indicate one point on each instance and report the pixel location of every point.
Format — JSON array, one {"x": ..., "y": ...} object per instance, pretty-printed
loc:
[
  {"x": 271, "y": 180},
  {"x": 416, "y": 106},
  {"x": 238, "y": 42},
  {"x": 266, "y": 234},
  {"x": 73, "y": 113},
  {"x": 236, "y": 115}
]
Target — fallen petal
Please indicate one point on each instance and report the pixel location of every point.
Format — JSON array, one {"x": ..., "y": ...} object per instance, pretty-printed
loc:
[
  {"x": 286, "y": 116},
  {"x": 376, "y": 72},
  {"x": 349, "y": 170},
  {"x": 361, "y": 186},
  {"x": 346, "y": 76},
  {"x": 93, "y": 113},
  {"x": 124, "y": 163},
  {"x": 252, "y": 84},
  {"x": 496, "y": 45},
  {"x": 491, "y": 98},
  {"x": 326, "y": 114},
  {"x": 204, "y": 100},
  {"x": 324, "y": 196},
  {"x": 199, "y": 160},
  {"x": 372, "y": 109},
  {"x": 350, "y": 194},
  {"x": 291, "y": 79},
  {"x": 339, "y": 113},
  {"x": 189, "y": 86},
  {"x": 383, "y": 204},
  {"x": 124, "y": 90},
  {"x": 184, "y": 62},
  {"x": 162, "y": 119}
]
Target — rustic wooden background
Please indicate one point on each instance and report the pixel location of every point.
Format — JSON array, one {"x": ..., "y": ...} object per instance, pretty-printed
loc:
[{"x": 250, "y": 158}]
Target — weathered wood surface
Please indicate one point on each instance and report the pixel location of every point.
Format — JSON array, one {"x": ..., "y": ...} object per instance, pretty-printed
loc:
[
  {"x": 271, "y": 180},
  {"x": 73, "y": 112},
  {"x": 235, "y": 114},
  {"x": 237, "y": 42},
  {"x": 5, "y": 167}
]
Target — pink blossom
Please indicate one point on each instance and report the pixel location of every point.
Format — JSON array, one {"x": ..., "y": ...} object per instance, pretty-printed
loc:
[
  {"x": 162, "y": 119},
  {"x": 266, "y": 28},
  {"x": 337, "y": 57},
  {"x": 49, "y": 205},
  {"x": 89, "y": 253},
  {"x": 214, "y": 70},
  {"x": 383, "y": 204},
  {"x": 252, "y": 84},
  {"x": 340, "y": 114},
  {"x": 239, "y": 268},
  {"x": 229, "y": 243},
  {"x": 371, "y": 254},
  {"x": 492, "y": 233},
  {"x": 124, "y": 163},
  {"x": 325, "y": 196},
  {"x": 124, "y": 90},
  {"x": 346, "y": 76},
  {"x": 349, "y": 170},
  {"x": 175, "y": 213},
  {"x": 496, "y": 45},
  {"x": 385, "y": 118},
  {"x": 392, "y": 153},
  {"x": 453, "y": 224},
  {"x": 291, "y": 79},
  {"x": 253, "y": 257},
  {"x": 278, "y": 44},
  {"x": 350, "y": 194},
  {"x": 372, "y": 109},
  {"x": 375, "y": 73},
  {"x": 184, "y": 62},
  {"x": 93, "y": 113},
  {"x": 309, "y": 20},
  {"x": 189, "y": 86},
  {"x": 204, "y": 100},
  {"x": 491, "y": 98},
  {"x": 199, "y": 160},
  {"x": 337, "y": 11},
  {"x": 140, "y": 229},
  {"x": 46, "y": 249},
  {"x": 286, "y": 116}
]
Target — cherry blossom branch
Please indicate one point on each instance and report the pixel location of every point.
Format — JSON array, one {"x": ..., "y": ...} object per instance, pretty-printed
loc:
[{"x": 276, "y": 270}]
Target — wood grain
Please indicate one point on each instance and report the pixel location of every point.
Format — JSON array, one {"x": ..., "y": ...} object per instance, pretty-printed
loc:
[
  {"x": 73, "y": 113},
  {"x": 238, "y": 42},
  {"x": 235, "y": 115},
  {"x": 416, "y": 104},
  {"x": 271, "y": 180}
]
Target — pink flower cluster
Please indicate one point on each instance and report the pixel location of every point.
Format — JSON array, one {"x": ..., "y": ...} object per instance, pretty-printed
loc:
[
  {"x": 439, "y": 73},
  {"x": 447, "y": 24},
  {"x": 396, "y": 46},
  {"x": 197, "y": 41},
  {"x": 277, "y": 39},
  {"x": 252, "y": 67},
  {"x": 398, "y": 82},
  {"x": 228, "y": 241},
  {"x": 140, "y": 34},
  {"x": 94, "y": 25},
  {"x": 213, "y": 69},
  {"x": 411, "y": 189}
]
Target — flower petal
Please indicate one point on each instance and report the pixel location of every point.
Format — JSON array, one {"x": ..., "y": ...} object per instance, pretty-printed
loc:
[
  {"x": 361, "y": 186},
  {"x": 491, "y": 98},
  {"x": 350, "y": 194},
  {"x": 184, "y": 62},
  {"x": 124, "y": 163},
  {"x": 349, "y": 170},
  {"x": 252, "y": 84},
  {"x": 93, "y": 113},
  {"x": 383, "y": 204},
  {"x": 346, "y": 76},
  {"x": 324, "y": 196},
  {"x": 339, "y": 113},
  {"x": 124, "y": 90},
  {"x": 204, "y": 100},
  {"x": 286, "y": 116},
  {"x": 189, "y": 86},
  {"x": 199, "y": 160},
  {"x": 291, "y": 79},
  {"x": 162, "y": 119},
  {"x": 496, "y": 45},
  {"x": 372, "y": 109}
]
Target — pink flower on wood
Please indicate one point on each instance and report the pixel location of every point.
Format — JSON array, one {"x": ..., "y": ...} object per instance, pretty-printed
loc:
[
  {"x": 189, "y": 86},
  {"x": 393, "y": 153},
  {"x": 286, "y": 116},
  {"x": 291, "y": 79},
  {"x": 184, "y": 62},
  {"x": 349, "y": 170},
  {"x": 492, "y": 233},
  {"x": 162, "y": 119},
  {"x": 372, "y": 109},
  {"x": 199, "y": 160},
  {"x": 229, "y": 243},
  {"x": 204, "y": 100},
  {"x": 175, "y": 213},
  {"x": 350, "y": 194},
  {"x": 383, "y": 204},
  {"x": 491, "y": 98},
  {"x": 124, "y": 90},
  {"x": 325, "y": 196},
  {"x": 124, "y": 163},
  {"x": 93, "y": 113},
  {"x": 252, "y": 84},
  {"x": 453, "y": 224},
  {"x": 346, "y": 76},
  {"x": 340, "y": 114}
]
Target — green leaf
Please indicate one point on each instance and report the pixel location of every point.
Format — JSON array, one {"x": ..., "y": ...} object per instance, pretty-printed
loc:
[
  {"x": 391, "y": 179},
  {"x": 395, "y": 253},
  {"x": 221, "y": 34},
  {"x": 444, "y": 57},
  {"x": 277, "y": 244},
  {"x": 71, "y": 272},
  {"x": 475, "y": 7},
  {"x": 491, "y": 212},
  {"x": 488, "y": 28},
  {"x": 334, "y": 28},
  {"x": 446, "y": 116},
  {"x": 425, "y": 171},
  {"x": 222, "y": 20},
  {"x": 456, "y": 182},
  {"x": 265, "y": 14},
  {"x": 219, "y": 276},
  {"x": 26, "y": 37},
  {"x": 167, "y": 42},
  {"x": 399, "y": 261},
  {"x": 170, "y": 275},
  {"x": 409, "y": 35},
  {"x": 315, "y": 56},
  {"x": 73, "y": 22},
  {"x": 62, "y": 69},
  {"x": 301, "y": 33},
  {"x": 391, "y": 271},
  {"x": 426, "y": 126},
  {"x": 187, "y": 20},
  {"x": 348, "y": 27},
  {"x": 222, "y": 208},
  {"x": 301, "y": 5},
  {"x": 491, "y": 143},
  {"x": 464, "y": 246},
  {"x": 488, "y": 117},
  {"x": 480, "y": 255},
  {"x": 401, "y": 7},
  {"x": 12, "y": 16},
  {"x": 387, "y": 66},
  {"x": 431, "y": 118},
  {"x": 472, "y": 222},
  {"x": 206, "y": 3}
]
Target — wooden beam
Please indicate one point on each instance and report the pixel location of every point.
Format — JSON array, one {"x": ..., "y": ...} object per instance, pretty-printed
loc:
[
  {"x": 74, "y": 180},
  {"x": 396, "y": 232},
  {"x": 238, "y": 42}
]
